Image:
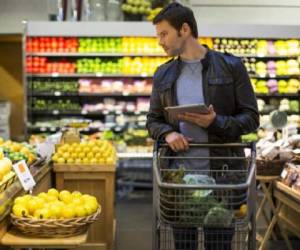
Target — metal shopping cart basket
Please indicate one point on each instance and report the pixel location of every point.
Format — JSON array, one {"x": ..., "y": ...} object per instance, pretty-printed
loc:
[{"x": 212, "y": 209}]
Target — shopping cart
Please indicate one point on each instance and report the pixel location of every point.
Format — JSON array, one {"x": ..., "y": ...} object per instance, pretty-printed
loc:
[{"x": 205, "y": 209}]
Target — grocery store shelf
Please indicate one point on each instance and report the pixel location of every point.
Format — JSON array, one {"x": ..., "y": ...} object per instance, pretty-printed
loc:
[
  {"x": 287, "y": 112},
  {"x": 78, "y": 75},
  {"x": 273, "y": 76},
  {"x": 265, "y": 56},
  {"x": 135, "y": 155},
  {"x": 114, "y": 54},
  {"x": 294, "y": 95},
  {"x": 117, "y": 29},
  {"x": 81, "y": 54},
  {"x": 75, "y": 94},
  {"x": 84, "y": 113}
]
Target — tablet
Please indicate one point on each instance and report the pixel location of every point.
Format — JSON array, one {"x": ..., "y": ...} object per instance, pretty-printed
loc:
[{"x": 192, "y": 108}]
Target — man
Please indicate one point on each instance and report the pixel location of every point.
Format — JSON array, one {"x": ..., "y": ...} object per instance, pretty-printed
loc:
[{"x": 198, "y": 75}]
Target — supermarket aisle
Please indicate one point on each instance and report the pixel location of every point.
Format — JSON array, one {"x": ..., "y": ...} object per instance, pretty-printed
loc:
[
  {"x": 134, "y": 228},
  {"x": 134, "y": 218}
]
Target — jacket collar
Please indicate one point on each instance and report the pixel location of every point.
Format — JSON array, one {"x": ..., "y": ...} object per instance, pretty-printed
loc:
[{"x": 205, "y": 61}]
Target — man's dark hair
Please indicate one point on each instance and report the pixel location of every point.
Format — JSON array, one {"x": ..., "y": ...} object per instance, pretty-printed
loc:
[{"x": 177, "y": 14}]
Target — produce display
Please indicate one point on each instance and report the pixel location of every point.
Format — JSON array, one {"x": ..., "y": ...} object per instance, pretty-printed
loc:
[
  {"x": 278, "y": 67},
  {"x": 259, "y": 47},
  {"x": 18, "y": 151},
  {"x": 273, "y": 86},
  {"x": 270, "y": 149},
  {"x": 277, "y": 104},
  {"x": 86, "y": 152},
  {"x": 51, "y": 44},
  {"x": 55, "y": 205},
  {"x": 290, "y": 176},
  {"x": 122, "y": 86},
  {"x": 112, "y": 105},
  {"x": 43, "y": 65},
  {"x": 5, "y": 167},
  {"x": 50, "y": 105},
  {"x": 142, "y": 7},
  {"x": 52, "y": 85}
]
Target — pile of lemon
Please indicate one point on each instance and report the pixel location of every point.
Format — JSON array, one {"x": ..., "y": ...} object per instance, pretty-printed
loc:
[
  {"x": 5, "y": 168},
  {"x": 87, "y": 152},
  {"x": 55, "y": 205}
]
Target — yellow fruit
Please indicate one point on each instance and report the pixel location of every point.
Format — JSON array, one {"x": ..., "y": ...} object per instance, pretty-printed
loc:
[
  {"x": 53, "y": 192},
  {"x": 1, "y": 154},
  {"x": 61, "y": 160},
  {"x": 19, "y": 210},
  {"x": 86, "y": 150},
  {"x": 78, "y": 161},
  {"x": 88, "y": 209},
  {"x": 243, "y": 209},
  {"x": 5, "y": 166},
  {"x": 80, "y": 211},
  {"x": 63, "y": 192},
  {"x": 20, "y": 200},
  {"x": 77, "y": 201},
  {"x": 68, "y": 212},
  {"x": 74, "y": 155},
  {"x": 93, "y": 161},
  {"x": 27, "y": 197},
  {"x": 34, "y": 204},
  {"x": 43, "y": 196},
  {"x": 85, "y": 161},
  {"x": 70, "y": 161},
  {"x": 43, "y": 213},
  {"x": 55, "y": 210},
  {"x": 76, "y": 194},
  {"x": 90, "y": 155},
  {"x": 1, "y": 141},
  {"x": 65, "y": 196},
  {"x": 66, "y": 155},
  {"x": 51, "y": 198},
  {"x": 93, "y": 205},
  {"x": 81, "y": 155}
]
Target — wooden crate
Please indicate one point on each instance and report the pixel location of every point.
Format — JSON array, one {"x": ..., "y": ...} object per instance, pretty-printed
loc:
[{"x": 97, "y": 180}]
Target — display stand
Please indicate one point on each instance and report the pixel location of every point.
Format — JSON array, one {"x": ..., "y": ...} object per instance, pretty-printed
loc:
[
  {"x": 18, "y": 241},
  {"x": 99, "y": 181},
  {"x": 286, "y": 198},
  {"x": 266, "y": 183}
]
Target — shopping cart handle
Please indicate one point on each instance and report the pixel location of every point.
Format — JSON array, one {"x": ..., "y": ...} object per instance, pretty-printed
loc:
[{"x": 162, "y": 143}]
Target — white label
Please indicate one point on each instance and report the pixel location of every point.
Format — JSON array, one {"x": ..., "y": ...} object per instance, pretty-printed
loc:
[
  {"x": 55, "y": 112},
  {"x": 84, "y": 112},
  {"x": 24, "y": 175},
  {"x": 284, "y": 173},
  {"x": 57, "y": 93}
]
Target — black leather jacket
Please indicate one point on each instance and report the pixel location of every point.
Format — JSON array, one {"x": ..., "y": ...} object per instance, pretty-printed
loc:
[{"x": 226, "y": 85}]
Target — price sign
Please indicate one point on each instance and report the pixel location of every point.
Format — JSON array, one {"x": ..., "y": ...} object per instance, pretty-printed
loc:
[{"x": 24, "y": 175}]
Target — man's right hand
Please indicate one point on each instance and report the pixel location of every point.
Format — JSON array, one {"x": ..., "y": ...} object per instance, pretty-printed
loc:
[{"x": 177, "y": 141}]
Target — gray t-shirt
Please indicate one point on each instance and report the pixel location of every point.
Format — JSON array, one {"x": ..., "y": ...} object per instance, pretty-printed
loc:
[{"x": 190, "y": 91}]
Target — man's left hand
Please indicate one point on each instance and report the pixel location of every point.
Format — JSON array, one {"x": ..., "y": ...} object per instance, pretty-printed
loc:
[{"x": 202, "y": 120}]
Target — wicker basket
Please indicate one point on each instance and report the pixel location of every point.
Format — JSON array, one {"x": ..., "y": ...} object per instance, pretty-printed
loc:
[
  {"x": 269, "y": 168},
  {"x": 54, "y": 228}
]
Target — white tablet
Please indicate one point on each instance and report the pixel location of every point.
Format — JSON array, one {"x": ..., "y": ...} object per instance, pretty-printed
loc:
[{"x": 192, "y": 108}]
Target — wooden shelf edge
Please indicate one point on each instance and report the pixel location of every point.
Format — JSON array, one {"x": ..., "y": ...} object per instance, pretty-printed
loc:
[{"x": 83, "y": 168}]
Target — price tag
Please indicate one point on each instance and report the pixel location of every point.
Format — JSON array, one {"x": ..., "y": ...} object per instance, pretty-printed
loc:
[
  {"x": 84, "y": 112},
  {"x": 55, "y": 112},
  {"x": 57, "y": 93},
  {"x": 24, "y": 175}
]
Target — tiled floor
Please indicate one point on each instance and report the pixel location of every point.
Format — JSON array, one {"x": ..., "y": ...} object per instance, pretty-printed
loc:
[{"x": 134, "y": 224}]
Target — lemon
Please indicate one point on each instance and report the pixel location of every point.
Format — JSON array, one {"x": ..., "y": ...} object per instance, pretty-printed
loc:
[
  {"x": 43, "y": 213},
  {"x": 61, "y": 160},
  {"x": 76, "y": 194},
  {"x": 19, "y": 210},
  {"x": 80, "y": 211},
  {"x": 68, "y": 212},
  {"x": 55, "y": 210},
  {"x": 53, "y": 192}
]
